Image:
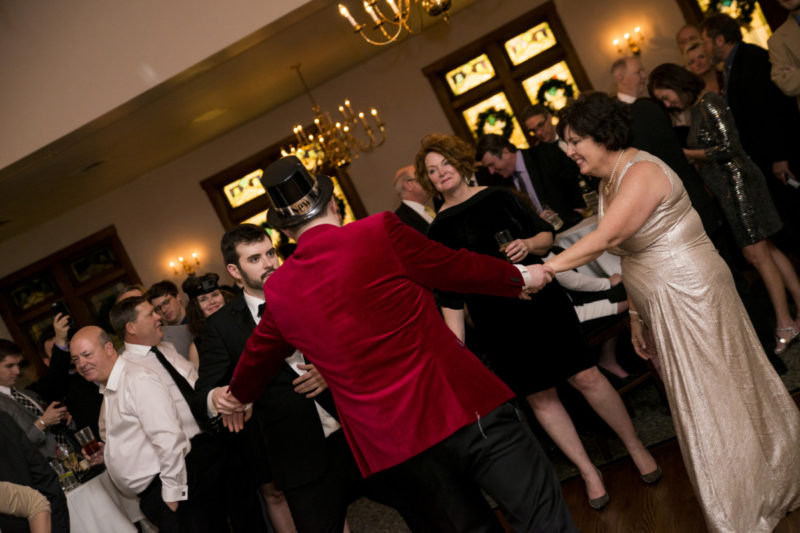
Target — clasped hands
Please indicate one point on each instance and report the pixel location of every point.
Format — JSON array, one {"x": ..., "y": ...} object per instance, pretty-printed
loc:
[{"x": 541, "y": 275}]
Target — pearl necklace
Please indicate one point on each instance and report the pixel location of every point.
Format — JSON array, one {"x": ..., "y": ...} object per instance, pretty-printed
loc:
[{"x": 607, "y": 185}]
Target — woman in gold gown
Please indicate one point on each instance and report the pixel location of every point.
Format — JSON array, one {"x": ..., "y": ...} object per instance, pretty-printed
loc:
[{"x": 737, "y": 426}]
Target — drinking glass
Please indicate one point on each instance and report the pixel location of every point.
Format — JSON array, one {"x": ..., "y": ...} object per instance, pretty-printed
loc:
[
  {"x": 87, "y": 441},
  {"x": 503, "y": 237},
  {"x": 552, "y": 217},
  {"x": 66, "y": 477}
]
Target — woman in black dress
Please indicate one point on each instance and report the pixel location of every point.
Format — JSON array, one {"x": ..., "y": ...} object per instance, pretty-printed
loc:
[{"x": 533, "y": 345}]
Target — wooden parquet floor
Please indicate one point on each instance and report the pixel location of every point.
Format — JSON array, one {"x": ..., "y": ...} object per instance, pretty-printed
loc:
[{"x": 667, "y": 507}]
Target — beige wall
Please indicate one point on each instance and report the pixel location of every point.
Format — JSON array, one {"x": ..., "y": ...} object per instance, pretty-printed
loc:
[
  {"x": 74, "y": 61},
  {"x": 165, "y": 213}
]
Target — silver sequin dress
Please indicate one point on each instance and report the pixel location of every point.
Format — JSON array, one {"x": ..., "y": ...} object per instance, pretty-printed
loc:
[{"x": 731, "y": 175}]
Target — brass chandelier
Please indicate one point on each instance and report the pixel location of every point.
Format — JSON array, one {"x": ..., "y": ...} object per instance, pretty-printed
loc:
[
  {"x": 335, "y": 143},
  {"x": 391, "y": 21}
]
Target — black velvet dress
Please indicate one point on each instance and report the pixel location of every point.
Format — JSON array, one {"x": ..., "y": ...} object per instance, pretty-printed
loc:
[{"x": 531, "y": 345}]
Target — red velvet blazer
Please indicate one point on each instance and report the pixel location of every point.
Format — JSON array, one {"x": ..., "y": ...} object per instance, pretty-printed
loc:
[{"x": 357, "y": 301}]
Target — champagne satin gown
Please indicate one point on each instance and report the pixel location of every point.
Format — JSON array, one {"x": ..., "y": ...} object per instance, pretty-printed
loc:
[{"x": 737, "y": 426}]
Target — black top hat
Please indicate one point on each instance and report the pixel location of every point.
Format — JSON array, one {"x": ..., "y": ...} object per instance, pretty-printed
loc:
[
  {"x": 296, "y": 195},
  {"x": 195, "y": 286}
]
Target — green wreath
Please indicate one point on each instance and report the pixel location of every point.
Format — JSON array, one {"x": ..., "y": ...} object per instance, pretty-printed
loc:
[
  {"x": 552, "y": 86},
  {"x": 492, "y": 116},
  {"x": 746, "y": 9}
]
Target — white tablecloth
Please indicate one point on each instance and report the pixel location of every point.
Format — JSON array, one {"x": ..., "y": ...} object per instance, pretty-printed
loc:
[
  {"x": 603, "y": 266},
  {"x": 98, "y": 507}
]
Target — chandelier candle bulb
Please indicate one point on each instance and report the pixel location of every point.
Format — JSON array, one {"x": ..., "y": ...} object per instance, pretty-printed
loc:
[
  {"x": 371, "y": 12},
  {"x": 394, "y": 7},
  {"x": 346, "y": 14}
]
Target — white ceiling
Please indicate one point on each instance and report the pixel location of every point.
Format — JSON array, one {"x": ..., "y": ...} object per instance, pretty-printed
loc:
[{"x": 233, "y": 86}]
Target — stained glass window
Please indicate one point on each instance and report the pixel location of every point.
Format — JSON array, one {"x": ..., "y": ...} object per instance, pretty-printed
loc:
[
  {"x": 244, "y": 189},
  {"x": 558, "y": 82},
  {"x": 757, "y": 33},
  {"x": 470, "y": 74},
  {"x": 494, "y": 113},
  {"x": 533, "y": 42}
]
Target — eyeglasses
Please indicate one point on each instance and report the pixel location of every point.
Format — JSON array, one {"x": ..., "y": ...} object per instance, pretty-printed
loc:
[{"x": 163, "y": 305}]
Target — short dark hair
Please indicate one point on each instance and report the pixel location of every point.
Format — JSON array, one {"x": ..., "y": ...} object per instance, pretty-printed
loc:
[
  {"x": 493, "y": 144},
  {"x": 123, "y": 312},
  {"x": 8, "y": 348},
  {"x": 720, "y": 24},
  {"x": 532, "y": 111},
  {"x": 243, "y": 233},
  {"x": 686, "y": 85},
  {"x": 162, "y": 288},
  {"x": 454, "y": 149},
  {"x": 599, "y": 116}
]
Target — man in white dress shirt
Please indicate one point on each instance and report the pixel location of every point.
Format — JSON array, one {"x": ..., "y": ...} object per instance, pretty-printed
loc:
[
  {"x": 414, "y": 208},
  {"x": 137, "y": 323}
]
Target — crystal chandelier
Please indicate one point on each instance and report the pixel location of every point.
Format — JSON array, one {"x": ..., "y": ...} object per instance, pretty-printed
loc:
[
  {"x": 335, "y": 143},
  {"x": 392, "y": 21}
]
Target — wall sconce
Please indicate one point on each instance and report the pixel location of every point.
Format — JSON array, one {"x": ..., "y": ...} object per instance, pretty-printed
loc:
[
  {"x": 186, "y": 266},
  {"x": 632, "y": 40}
]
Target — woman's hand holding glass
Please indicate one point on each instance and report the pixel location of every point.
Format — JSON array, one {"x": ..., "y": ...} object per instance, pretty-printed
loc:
[{"x": 516, "y": 250}]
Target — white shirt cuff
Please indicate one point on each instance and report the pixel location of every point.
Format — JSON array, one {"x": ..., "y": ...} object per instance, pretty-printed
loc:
[
  {"x": 174, "y": 494},
  {"x": 212, "y": 411},
  {"x": 526, "y": 276}
]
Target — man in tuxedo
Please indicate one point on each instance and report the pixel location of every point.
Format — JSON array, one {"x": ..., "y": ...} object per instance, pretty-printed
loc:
[
  {"x": 45, "y": 424},
  {"x": 543, "y": 173},
  {"x": 300, "y": 446},
  {"x": 357, "y": 301},
  {"x": 24, "y": 465},
  {"x": 770, "y": 130},
  {"x": 414, "y": 207}
]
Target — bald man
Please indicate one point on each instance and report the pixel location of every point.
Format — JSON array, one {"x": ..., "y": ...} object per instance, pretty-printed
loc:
[{"x": 414, "y": 209}]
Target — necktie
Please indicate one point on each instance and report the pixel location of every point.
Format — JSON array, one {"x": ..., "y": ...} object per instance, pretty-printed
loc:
[
  {"x": 186, "y": 390},
  {"x": 428, "y": 209},
  {"x": 34, "y": 409},
  {"x": 524, "y": 186},
  {"x": 260, "y": 309}
]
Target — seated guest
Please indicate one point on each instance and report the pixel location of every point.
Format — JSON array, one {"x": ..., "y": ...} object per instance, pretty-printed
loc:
[
  {"x": 163, "y": 296},
  {"x": 44, "y": 423},
  {"x": 414, "y": 208},
  {"x": 154, "y": 448},
  {"x": 27, "y": 503},
  {"x": 543, "y": 173},
  {"x": 470, "y": 218},
  {"x": 23, "y": 465}
]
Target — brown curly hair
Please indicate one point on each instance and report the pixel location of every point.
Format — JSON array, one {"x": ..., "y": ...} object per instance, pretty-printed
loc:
[{"x": 457, "y": 152}]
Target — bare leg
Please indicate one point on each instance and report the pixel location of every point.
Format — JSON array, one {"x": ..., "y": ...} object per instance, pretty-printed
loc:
[
  {"x": 787, "y": 271},
  {"x": 555, "y": 420},
  {"x": 759, "y": 256},
  {"x": 277, "y": 509},
  {"x": 607, "y": 403}
]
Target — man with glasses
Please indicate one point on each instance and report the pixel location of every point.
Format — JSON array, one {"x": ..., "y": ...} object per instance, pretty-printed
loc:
[{"x": 163, "y": 296}]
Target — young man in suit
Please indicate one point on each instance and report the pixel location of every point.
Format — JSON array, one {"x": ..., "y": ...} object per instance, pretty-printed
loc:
[
  {"x": 41, "y": 421},
  {"x": 357, "y": 301},
  {"x": 414, "y": 207}
]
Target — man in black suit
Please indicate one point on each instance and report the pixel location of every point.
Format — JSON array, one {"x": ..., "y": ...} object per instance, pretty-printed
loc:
[
  {"x": 293, "y": 430},
  {"x": 414, "y": 209},
  {"x": 24, "y": 465},
  {"x": 543, "y": 173},
  {"x": 768, "y": 121}
]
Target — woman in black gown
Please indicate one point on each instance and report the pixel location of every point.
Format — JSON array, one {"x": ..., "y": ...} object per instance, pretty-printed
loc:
[{"x": 533, "y": 345}]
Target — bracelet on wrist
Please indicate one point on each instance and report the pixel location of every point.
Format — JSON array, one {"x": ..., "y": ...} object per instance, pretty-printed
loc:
[
  {"x": 43, "y": 423},
  {"x": 632, "y": 312}
]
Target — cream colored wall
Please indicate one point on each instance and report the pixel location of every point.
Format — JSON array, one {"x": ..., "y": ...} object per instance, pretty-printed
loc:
[
  {"x": 165, "y": 213},
  {"x": 74, "y": 61}
]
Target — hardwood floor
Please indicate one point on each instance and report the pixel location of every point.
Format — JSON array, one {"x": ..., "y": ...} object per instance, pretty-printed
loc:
[{"x": 668, "y": 507}]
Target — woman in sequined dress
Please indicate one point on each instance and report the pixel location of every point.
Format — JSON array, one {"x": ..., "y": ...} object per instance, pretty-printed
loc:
[{"x": 713, "y": 143}]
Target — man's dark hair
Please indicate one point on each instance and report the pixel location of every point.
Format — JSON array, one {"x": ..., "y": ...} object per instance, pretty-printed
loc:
[
  {"x": 493, "y": 144},
  {"x": 720, "y": 24},
  {"x": 162, "y": 288},
  {"x": 532, "y": 111},
  {"x": 243, "y": 233},
  {"x": 599, "y": 116},
  {"x": 686, "y": 85},
  {"x": 123, "y": 312},
  {"x": 8, "y": 348}
]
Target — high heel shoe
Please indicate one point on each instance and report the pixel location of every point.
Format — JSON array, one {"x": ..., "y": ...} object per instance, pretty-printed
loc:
[
  {"x": 785, "y": 337},
  {"x": 652, "y": 477},
  {"x": 602, "y": 501}
]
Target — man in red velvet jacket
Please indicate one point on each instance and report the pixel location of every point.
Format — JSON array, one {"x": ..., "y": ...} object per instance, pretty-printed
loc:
[{"x": 357, "y": 301}]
